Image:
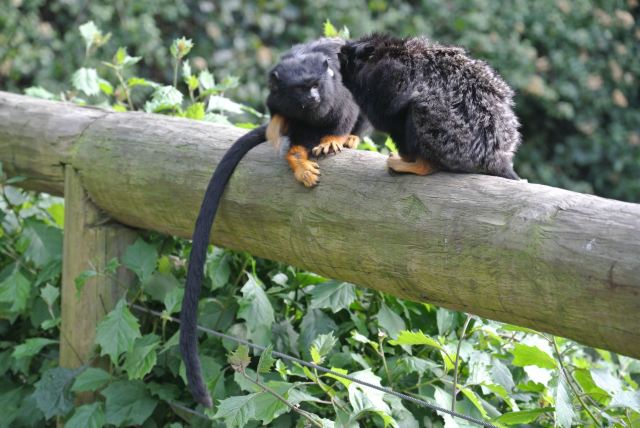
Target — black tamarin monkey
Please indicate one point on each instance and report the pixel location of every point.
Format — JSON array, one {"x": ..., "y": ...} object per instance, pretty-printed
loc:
[
  {"x": 310, "y": 105},
  {"x": 443, "y": 109}
]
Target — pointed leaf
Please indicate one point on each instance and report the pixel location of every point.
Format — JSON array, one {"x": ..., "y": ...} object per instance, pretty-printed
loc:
[
  {"x": 141, "y": 258},
  {"x": 236, "y": 411},
  {"x": 141, "y": 359},
  {"x": 525, "y": 355},
  {"x": 128, "y": 403},
  {"x": 15, "y": 289},
  {"x": 255, "y": 306},
  {"x": 266, "y": 360},
  {"x": 117, "y": 332},
  {"x": 52, "y": 393},
  {"x": 92, "y": 379},
  {"x": 87, "y": 416},
  {"x": 391, "y": 322},
  {"x": 332, "y": 294},
  {"x": 86, "y": 80}
]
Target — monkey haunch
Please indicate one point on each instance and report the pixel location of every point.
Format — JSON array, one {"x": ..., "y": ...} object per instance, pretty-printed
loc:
[{"x": 443, "y": 109}]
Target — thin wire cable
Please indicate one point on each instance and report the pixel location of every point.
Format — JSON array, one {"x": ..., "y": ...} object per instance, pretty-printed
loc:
[{"x": 323, "y": 369}]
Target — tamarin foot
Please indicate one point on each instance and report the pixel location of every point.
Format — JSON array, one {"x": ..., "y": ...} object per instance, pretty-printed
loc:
[
  {"x": 419, "y": 167},
  {"x": 305, "y": 171},
  {"x": 330, "y": 144},
  {"x": 352, "y": 142}
]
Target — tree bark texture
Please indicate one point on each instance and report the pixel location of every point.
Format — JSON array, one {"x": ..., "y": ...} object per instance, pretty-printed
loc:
[{"x": 537, "y": 256}]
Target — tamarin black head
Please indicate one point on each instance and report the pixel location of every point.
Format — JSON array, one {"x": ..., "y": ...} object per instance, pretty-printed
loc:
[
  {"x": 441, "y": 107},
  {"x": 306, "y": 88}
]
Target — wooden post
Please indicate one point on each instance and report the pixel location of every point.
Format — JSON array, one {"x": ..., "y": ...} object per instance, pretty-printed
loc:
[{"x": 90, "y": 241}]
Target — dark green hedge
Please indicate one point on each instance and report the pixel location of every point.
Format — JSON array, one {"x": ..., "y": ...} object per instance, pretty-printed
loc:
[{"x": 574, "y": 64}]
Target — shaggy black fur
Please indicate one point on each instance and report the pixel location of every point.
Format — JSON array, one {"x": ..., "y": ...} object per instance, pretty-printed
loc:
[
  {"x": 315, "y": 104},
  {"x": 306, "y": 88},
  {"x": 436, "y": 102}
]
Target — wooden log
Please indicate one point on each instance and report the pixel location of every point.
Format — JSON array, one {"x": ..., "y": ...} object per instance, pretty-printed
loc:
[
  {"x": 545, "y": 258},
  {"x": 89, "y": 243}
]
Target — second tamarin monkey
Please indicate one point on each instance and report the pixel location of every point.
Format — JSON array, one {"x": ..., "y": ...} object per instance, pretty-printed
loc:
[
  {"x": 443, "y": 109},
  {"x": 308, "y": 104}
]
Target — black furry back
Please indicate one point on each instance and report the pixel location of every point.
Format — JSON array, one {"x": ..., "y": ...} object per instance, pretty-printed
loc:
[{"x": 435, "y": 101}]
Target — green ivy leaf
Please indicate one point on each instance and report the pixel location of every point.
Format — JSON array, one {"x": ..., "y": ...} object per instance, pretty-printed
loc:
[
  {"x": 237, "y": 411},
  {"x": 128, "y": 403},
  {"x": 239, "y": 359},
  {"x": 389, "y": 321},
  {"x": 475, "y": 400},
  {"x": 186, "y": 70},
  {"x": 321, "y": 346},
  {"x": 206, "y": 80},
  {"x": 415, "y": 338},
  {"x": 139, "y": 81},
  {"x": 164, "y": 98},
  {"x": 40, "y": 92},
  {"x": 86, "y": 80},
  {"x": 89, "y": 32},
  {"x": 334, "y": 295},
  {"x": 606, "y": 381},
  {"x": 221, "y": 104},
  {"x": 15, "y": 289},
  {"x": 173, "y": 299},
  {"x": 45, "y": 243},
  {"x": 105, "y": 86},
  {"x": 141, "y": 359},
  {"x": 31, "y": 347},
  {"x": 329, "y": 30},
  {"x": 195, "y": 111},
  {"x": 50, "y": 294},
  {"x": 522, "y": 417},
  {"x": 87, "y": 416},
  {"x": 52, "y": 393},
  {"x": 123, "y": 59},
  {"x": 525, "y": 355},
  {"x": 363, "y": 398},
  {"x": 314, "y": 323},
  {"x": 141, "y": 258},
  {"x": 255, "y": 306},
  {"x": 564, "y": 410},
  {"x": 266, "y": 360},
  {"x": 91, "y": 379},
  {"x": 117, "y": 332},
  {"x": 267, "y": 406},
  {"x": 218, "y": 268}
]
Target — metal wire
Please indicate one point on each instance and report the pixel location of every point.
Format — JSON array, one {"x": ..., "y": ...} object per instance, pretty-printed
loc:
[{"x": 324, "y": 370}]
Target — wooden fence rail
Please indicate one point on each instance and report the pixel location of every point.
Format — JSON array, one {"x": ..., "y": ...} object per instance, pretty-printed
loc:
[{"x": 553, "y": 260}]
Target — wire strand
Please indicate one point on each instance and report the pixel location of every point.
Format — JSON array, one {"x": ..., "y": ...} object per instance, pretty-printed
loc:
[{"x": 384, "y": 389}]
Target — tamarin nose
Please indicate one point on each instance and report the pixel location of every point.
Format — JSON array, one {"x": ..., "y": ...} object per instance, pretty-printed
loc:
[{"x": 314, "y": 94}]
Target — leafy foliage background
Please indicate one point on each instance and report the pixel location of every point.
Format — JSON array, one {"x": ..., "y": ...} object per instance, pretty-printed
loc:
[{"x": 575, "y": 66}]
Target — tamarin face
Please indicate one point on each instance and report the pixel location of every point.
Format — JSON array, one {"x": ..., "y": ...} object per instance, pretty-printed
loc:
[{"x": 302, "y": 85}]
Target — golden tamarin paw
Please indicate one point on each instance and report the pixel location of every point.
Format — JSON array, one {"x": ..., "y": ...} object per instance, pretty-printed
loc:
[
  {"x": 352, "y": 142},
  {"x": 330, "y": 144},
  {"x": 308, "y": 173},
  {"x": 305, "y": 171},
  {"x": 419, "y": 167}
]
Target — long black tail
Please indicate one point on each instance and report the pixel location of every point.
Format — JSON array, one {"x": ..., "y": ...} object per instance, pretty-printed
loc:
[{"x": 201, "y": 234}]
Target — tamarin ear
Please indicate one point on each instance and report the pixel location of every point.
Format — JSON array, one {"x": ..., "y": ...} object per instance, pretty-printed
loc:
[
  {"x": 364, "y": 51},
  {"x": 330, "y": 72},
  {"x": 274, "y": 76}
]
